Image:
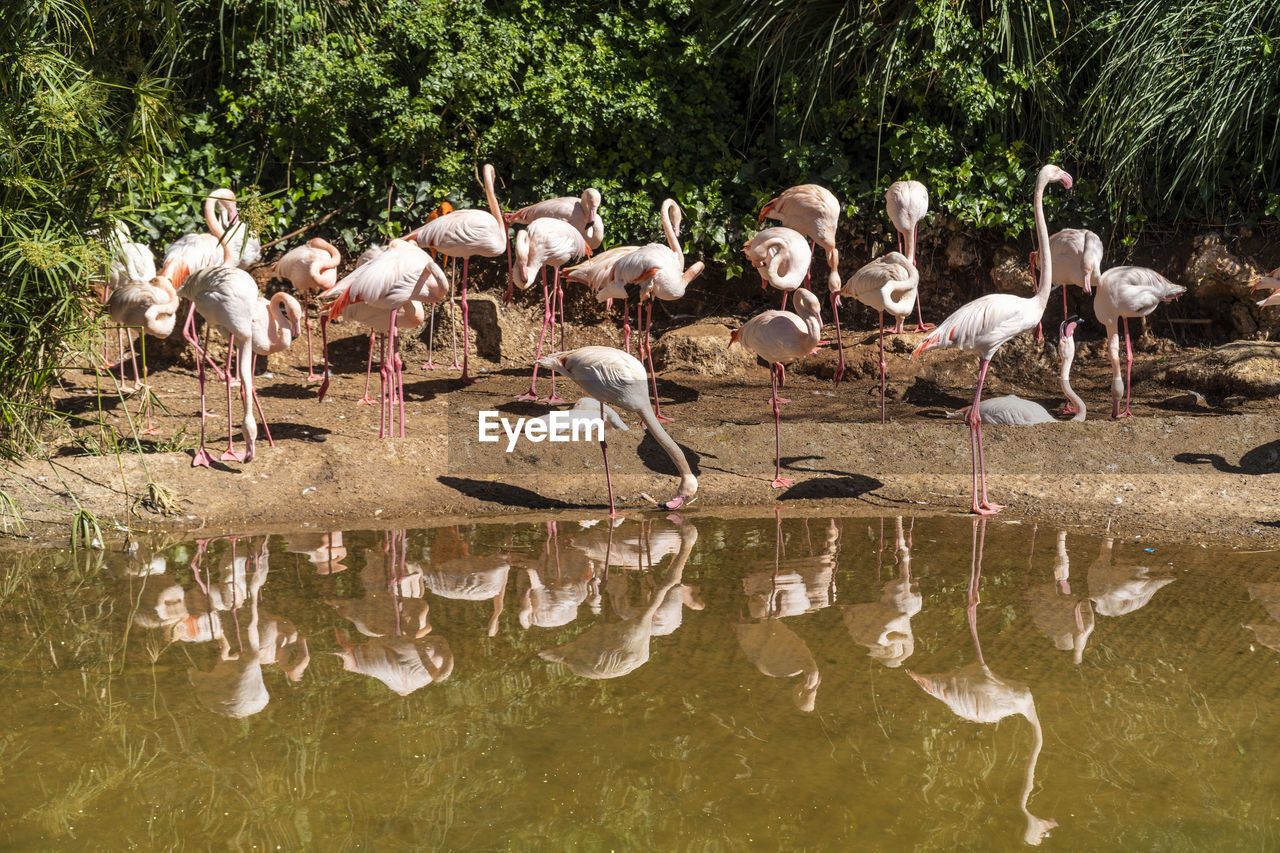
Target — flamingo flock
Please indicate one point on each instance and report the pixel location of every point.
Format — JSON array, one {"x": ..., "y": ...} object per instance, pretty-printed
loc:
[{"x": 392, "y": 286}]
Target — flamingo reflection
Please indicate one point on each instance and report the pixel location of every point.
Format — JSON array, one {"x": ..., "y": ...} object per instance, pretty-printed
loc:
[
  {"x": 1120, "y": 590},
  {"x": 977, "y": 694},
  {"x": 1268, "y": 595},
  {"x": 325, "y": 550},
  {"x": 1064, "y": 617},
  {"x": 554, "y": 585},
  {"x": 884, "y": 626}
]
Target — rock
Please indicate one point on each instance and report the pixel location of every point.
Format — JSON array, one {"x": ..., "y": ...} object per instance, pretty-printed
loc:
[
  {"x": 1251, "y": 368},
  {"x": 502, "y": 335},
  {"x": 1220, "y": 283},
  {"x": 701, "y": 348},
  {"x": 961, "y": 251},
  {"x": 1010, "y": 274}
]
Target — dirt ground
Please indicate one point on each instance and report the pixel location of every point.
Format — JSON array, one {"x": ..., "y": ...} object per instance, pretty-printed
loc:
[{"x": 1184, "y": 467}]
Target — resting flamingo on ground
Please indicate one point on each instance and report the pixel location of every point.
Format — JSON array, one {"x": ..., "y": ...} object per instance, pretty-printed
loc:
[
  {"x": 986, "y": 323},
  {"x": 227, "y": 298},
  {"x": 618, "y": 379},
  {"x": 311, "y": 269},
  {"x": 545, "y": 242},
  {"x": 1077, "y": 260},
  {"x": 463, "y": 234},
  {"x": 778, "y": 337},
  {"x": 1125, "y": 292},
  {"x": 907, "y": 202},
  {"x": 410, "y": 317},
  {"x": 661, "y": 274},
  {"x": 886, "y": 284},
  {"x": 782, "y": 256},
  {"x": 402, "y": 274},
  {"x": 597, "y": 274},
  {"x": 152, "y": 305},
  {"x": 1012, "y": 410},
  {"x": 583, "y": 213}
]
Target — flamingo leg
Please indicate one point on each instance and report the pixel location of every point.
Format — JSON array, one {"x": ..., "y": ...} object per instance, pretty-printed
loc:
[
  {"x": 921, "y": 325},
  {"x": 230, "y": 454},
  {"x": 324, "y": 345},
  {"x": 648, "y": 354},
  {"x": 782, "y": 383},
  {"x": 384, "y": 392},
  {"x": 985, "y": 507},
  {"x": 532, "y": 394},
  {"x": 626, "y": 326},
  {"x": 398, "y": 364},
  {"x": 785, "y": 294},
  {"x": 835, "y": 312},
  {"x": 311, "y": 366},
  {"x": 467, "y": 379},
  {"x": 368, "y": 372},
  {"x": 557, "y": 293},
  {"x": 779, "y": 482},
  {"x": 453, "y": 325},
  {"x": 201, "y": 459},
  {"x": 431, "y": 341},
  {"x": 133, "y": 359},
  {"x": 149, "y": 429},
  {"x": 883, "y": 366},
  {"x": 608, "y": 479},
  {"x": 258, "y": 403},
  {"x": 1128, "y": 369}
]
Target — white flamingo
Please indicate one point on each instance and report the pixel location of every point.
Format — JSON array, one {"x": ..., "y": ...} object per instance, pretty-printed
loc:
[
  {"x": 583, "y": 213},
  {"x": 597, "y": 274},
  {"x": 1125, "y": 292},
  {"x": 130, "y": 262},
  {"x": 986, "y": 323},
  {"x": 888, "y": 284},
  {"x": 553, "y": 242},
  {"x": 1077, "y": 260},
  {"x": 410, "y": 317},
  {"x": 151, "y": 305},
  {"x": 782, "y": 256},
  {"x": 907, "y": 202}
]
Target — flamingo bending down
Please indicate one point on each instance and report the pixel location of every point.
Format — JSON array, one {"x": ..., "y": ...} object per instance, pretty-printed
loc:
[
  {"x": 907, "y": 202},
  {"x": 130, "y": 262},
  {"x": 1125, "y": 292},
  {"x": 227, "y": 298},
  {"x": 153, "y": 305},
  {"x": 778, "y": 337},
  {"x": 660, "y": 271},
  {"x": 462, "y": 234},
  {"x": 618, "y": 379},
  {"x": 410, "y": 317},
  {"x": 311, "y": 268},
  {"x": 987, "y": 322},
  {"x": 782, "y": 256},
  {"x": 402, "y": 274},
  {"x": 583, "y": 213},
  {"x": 886, "y": 284},
  {"x": 554, "y": 242},
  {"x": 1067, "y": 354},
  {"x": 597, "y": 274},
  {"x": 1077, "y": 260},
  {"x": 814, "y": 211}
]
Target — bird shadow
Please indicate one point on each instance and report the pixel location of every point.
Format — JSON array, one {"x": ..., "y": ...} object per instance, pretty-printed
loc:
[
  {"x": 925, "y": 392},
  {"x": 287, "y": 430},
  {"x": 287, "y": 391},
  {"x": 656, "y": 459},
  {"x": 502, "y": 493},
  {"x": 677, "y": 393},
  {"x": 429, "y": 389},
  {"x": 845, "y": 486},
  {"x": 84, "y": 403},
  {"x": 1264, "y": 459}
]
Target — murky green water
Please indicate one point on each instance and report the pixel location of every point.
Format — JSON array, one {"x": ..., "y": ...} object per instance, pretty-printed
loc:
[{"x": 705, "y": 684}]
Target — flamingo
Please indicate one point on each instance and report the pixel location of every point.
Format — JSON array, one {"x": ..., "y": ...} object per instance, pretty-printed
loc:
[
  {"x": 310, "y": 269},
  {"x": 1067, "y": 354},
  {"x": 886, "y": 284},
  {"x": 778, "y": 337},
  {"x": 227, "y": 298},
  {"x": 977, "y": 694},
  {"x": 782, "y": 256},
  {"x": 1063, "y": 617},
  {"x": 554, "y": 242},
  {"x": 153, "y": 305},
  {"x": 618, "y": 379},
  {"x": 984, "y": 324},
  {"x": 276, "y": 322},
  {"x": 597, "y": 274},
  {"x": 462, "y": 234},
  {"x": 402, "y": 274},
  {"x": 197, "y": 251},
  {"x": 589, "y": 409},
  {"x": 582, "y": 213},
  {"x": 245, "y": 247},
  {"x": 411, "y": 316},
  {"x": 1077, "y": 260},
  {"x": 1009, "y": 410},
  {"x": 1270, "y": 281},
  {"x": 907, "y": 202},
  {"x": 130, "y": 262},
  {"x": 814, "y": 211},
  {"x": 660, "y": 271},
  {"x": 1125, "y": 292}
]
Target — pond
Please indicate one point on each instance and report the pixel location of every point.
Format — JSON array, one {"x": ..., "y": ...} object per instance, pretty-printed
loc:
[{"x": 665, "y": 682}]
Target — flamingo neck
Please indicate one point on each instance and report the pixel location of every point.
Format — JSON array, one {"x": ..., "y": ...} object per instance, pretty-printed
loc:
[
  {"x": 910, "y": 240},
  {"x": 688, "y": 483},
  {"x": 1042, "y": 238},
  {"x": 671, "y": 226},
  {"x": 211, "y": 220},
  {"x": 1068, "y": 349},
  {"x": 492, "y": 197}
]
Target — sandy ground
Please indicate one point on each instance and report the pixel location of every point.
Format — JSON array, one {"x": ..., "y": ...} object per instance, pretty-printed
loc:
[{"x": 1183, "y": 467}]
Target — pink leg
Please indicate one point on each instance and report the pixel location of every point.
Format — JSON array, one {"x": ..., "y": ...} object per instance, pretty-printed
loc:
[
  {"x": 384, "y": 393},
  {"x": 312, "y": 376},
  {"x": 133, "y": 359},
  {"x": 835, "y": 312},
  {"x": 608, "y": 479},
  {"x": 230, "y": 454},
  {"x": 368, "y": 373},
  {"x": 467, "y": 378},
  {"x": 779, "y": 482},
  {"x": 986, "y": 507},
  {"x": 883, "y": 367},
  {"x": 785, "y": 294},
  {"x": 324, "y": 349},
  {"x": 532, "y": 394},
  {"x": 648, "y": 354},
  {"x": 921, "y": 325},
  {"x": 399, "y": 368},
  {"x": 1128, "y": 369},
  {"x": 258, "y": 405},
  {"x": 626, "y": 326},
  {"x": 557, "y": 294},
  {"x": 782, "y": 383},
  {"x": 431, "y": 341},
  {"x": 453, "y": 326}
]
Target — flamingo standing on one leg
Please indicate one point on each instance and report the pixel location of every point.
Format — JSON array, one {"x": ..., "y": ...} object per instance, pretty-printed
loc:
[
  {"x": 310, "y": 269},
  {"x": 778, "y": 337},
  {"x": 618, "y": 379},
  {"x": 782, "y": 256},
  {"x": 1077, "y": 260},
  {"x": 888, "y": 284},
  {"x": 597, "y": 273},
  {"x": 553, "y": 242},
  {"x": 227, "y": 298},
  {"x": 462, "y": 234},
  {"x": 152, "y": 305},
  {"x": 660, "y": 271},
  {"x": 907, "y": 202},
  {"x": 1125, "y": 292},
  {"x": 402, "y": 274},
  {"x": 984, "y": 324},
  {"x": 410, "y": 317},
  {"x": 583, "y": 213}
]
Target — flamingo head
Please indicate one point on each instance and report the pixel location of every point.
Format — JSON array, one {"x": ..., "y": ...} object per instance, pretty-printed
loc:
[
  {"x": 685, "y": 495},
  {"x": 1053, "y": 174},
  {"x": 1067, "y": 329},
  {"x": 764, "y": 211}
]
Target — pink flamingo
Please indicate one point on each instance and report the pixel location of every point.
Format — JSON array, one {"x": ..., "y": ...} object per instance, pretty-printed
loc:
[
  {"x": 661, "y": 274},
  {"x": 782, "y": 256},
  {"x": 402, "y": 274},
  {"x": 461, "y": 234},
  {"x": 907, "y": 202},
  {"x": 130, "y": 262},
  {"x": 411, "y": 316},
  {"x": 227, "y": 298},
  {"x": 888, "y": 284},
  {"x": 1125, "y": 292},
  {"x": 778, "y": 337},
  {"x": 984, "y": 324},
  {"x": 310, "y": 269},
  {"x": 1077, "y": 260},
  {"x": 152, "y": 305},
  {"x": 554, "y": 242},
  {"x": 597, "y": 274},
  {"x": 582, "y": 213},
  {"x": 618, "y": 379}
]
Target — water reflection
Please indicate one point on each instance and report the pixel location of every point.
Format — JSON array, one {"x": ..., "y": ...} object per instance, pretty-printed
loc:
[
  {"x": 1268, "y": 595},
  {"x": 884, "y": 626},
  {"x": 1064, "y": 616},
  {"x": 1118, "y": 590},
  {"x": 458, "y": 574},
  {"x": 552, "y": 586}
]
